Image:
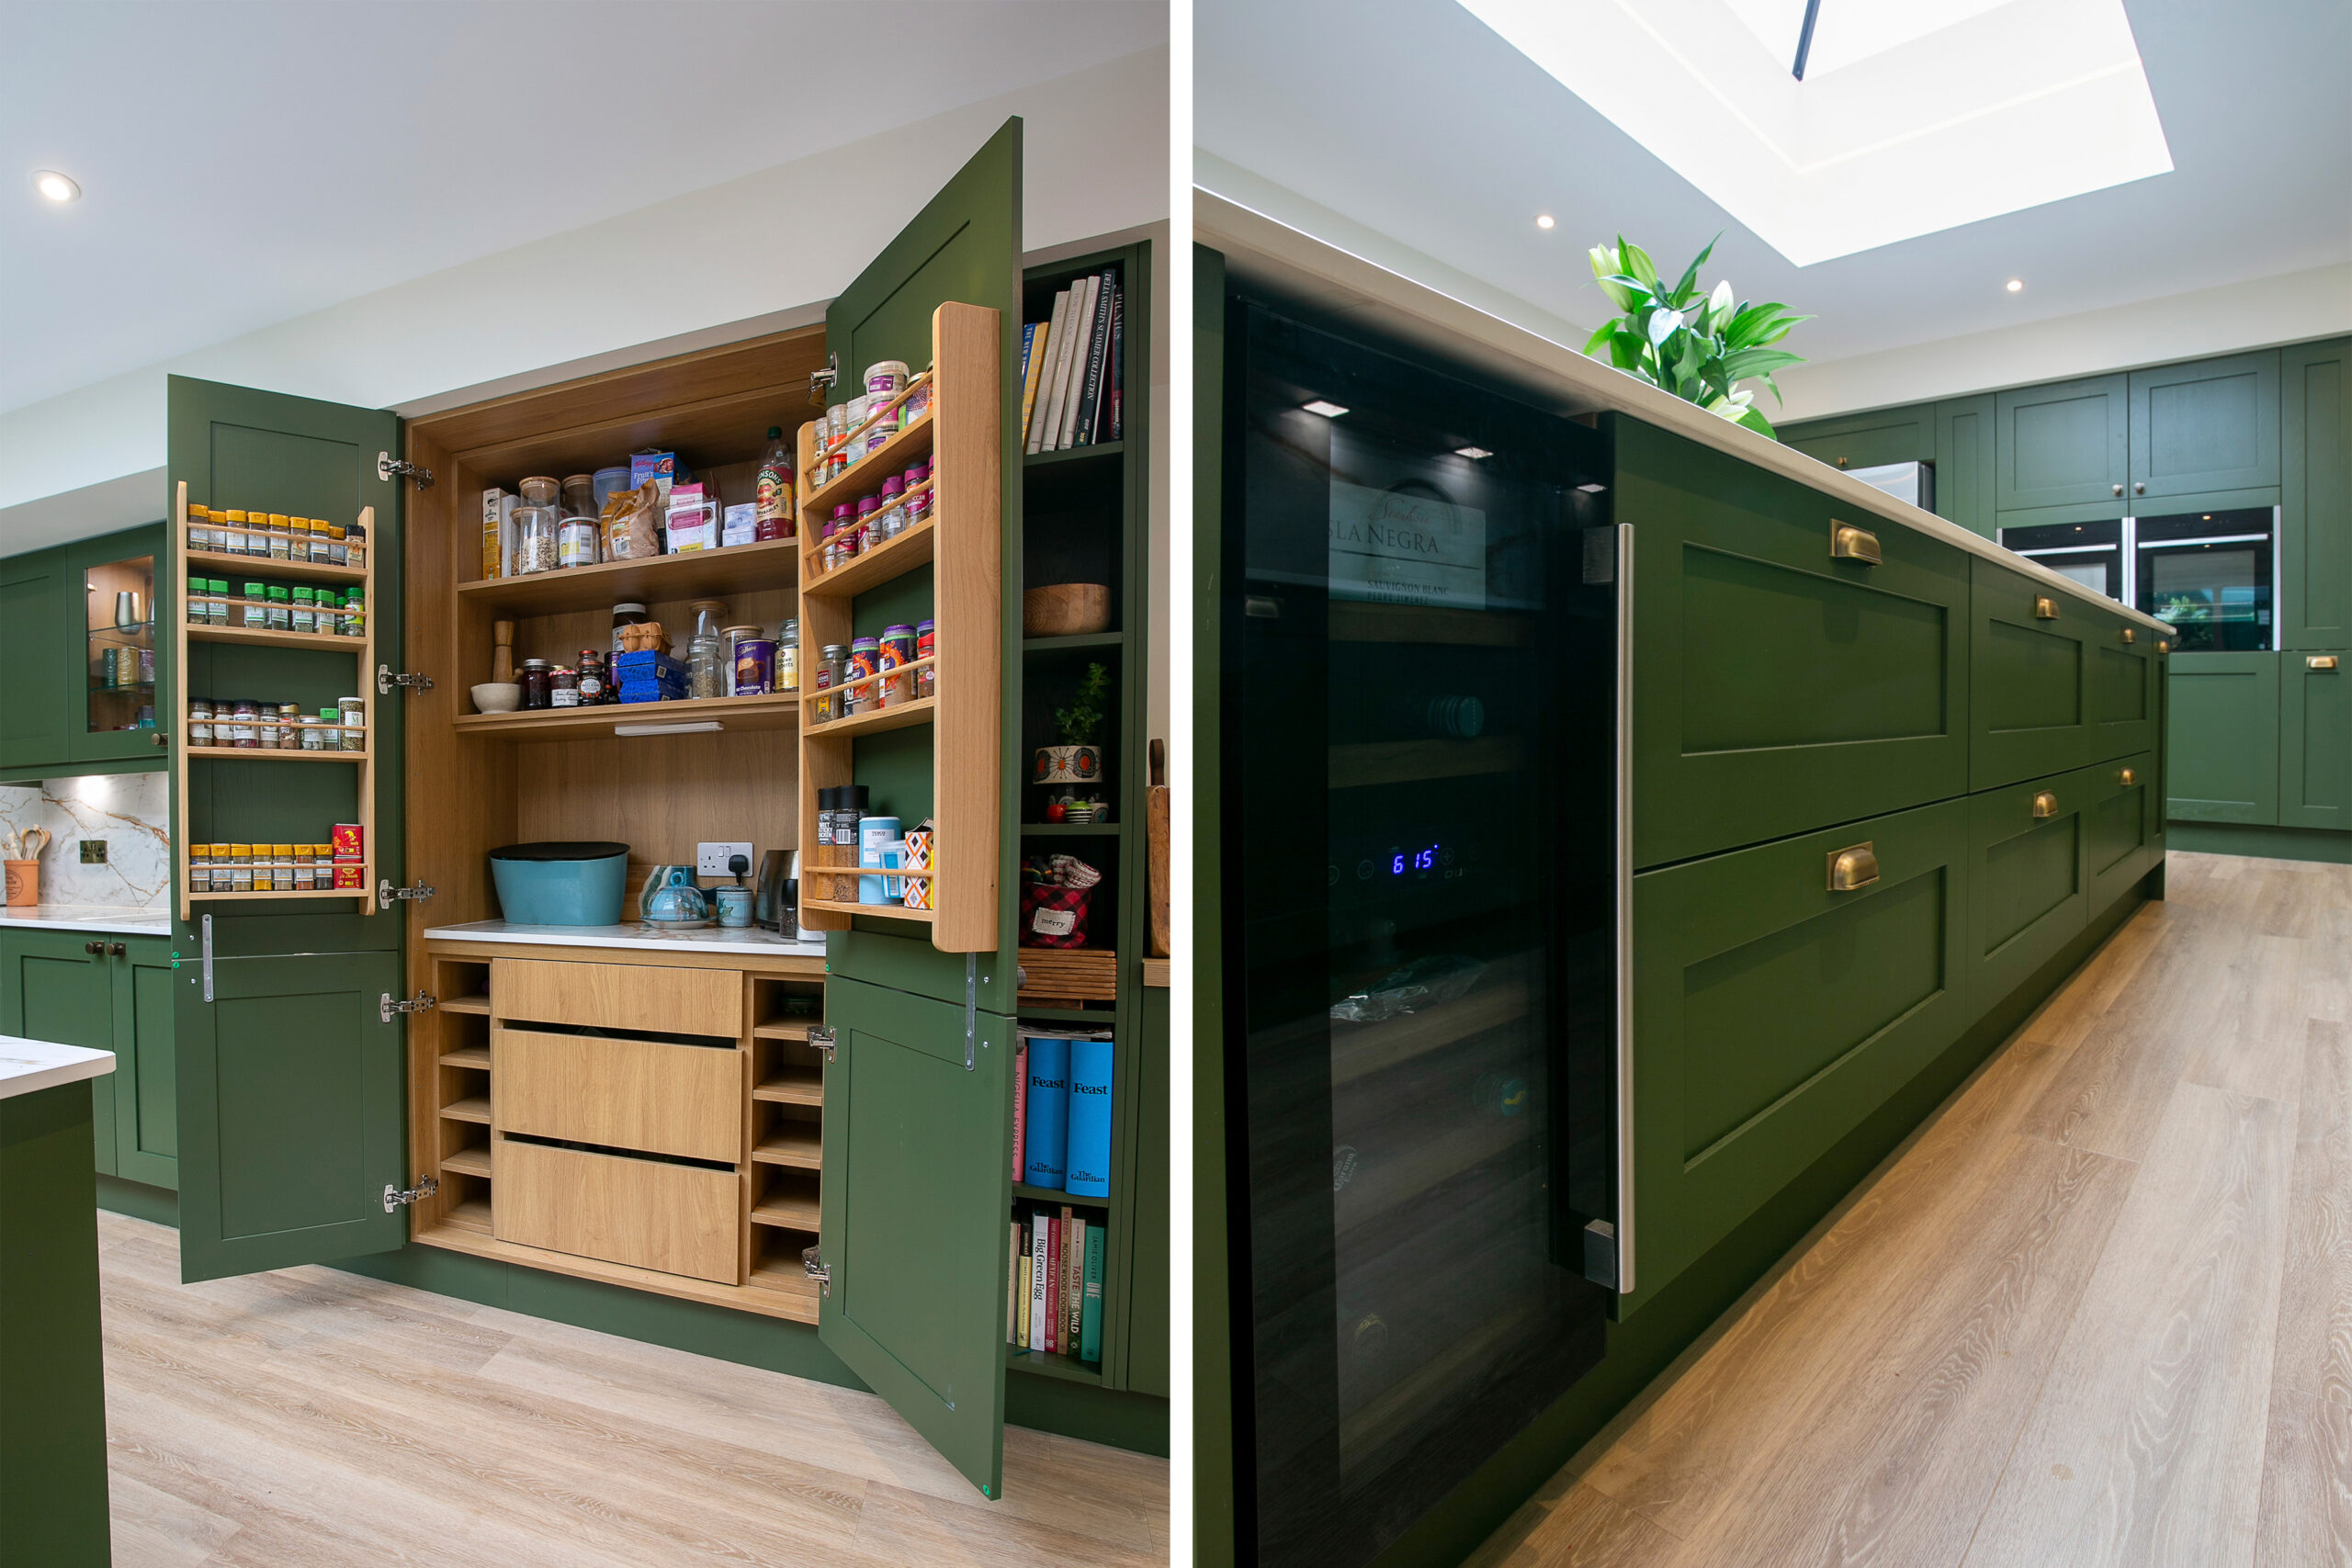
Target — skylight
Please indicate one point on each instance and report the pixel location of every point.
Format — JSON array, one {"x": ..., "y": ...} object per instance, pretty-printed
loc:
[{"x": 1911, "y": 118}]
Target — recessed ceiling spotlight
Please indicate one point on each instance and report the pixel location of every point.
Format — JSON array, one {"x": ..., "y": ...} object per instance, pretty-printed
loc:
[
  {"x": 55, "y": 187},
  {"x": 1473, "y": 453},
  {"x": 2015, "y": 285},
  {"x": 1328, "y": 409},
  {"x": 1543, "y": 220}
]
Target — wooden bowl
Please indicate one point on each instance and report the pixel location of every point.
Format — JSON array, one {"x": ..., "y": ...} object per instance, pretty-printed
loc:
[{"x": 1066, "y": 609}]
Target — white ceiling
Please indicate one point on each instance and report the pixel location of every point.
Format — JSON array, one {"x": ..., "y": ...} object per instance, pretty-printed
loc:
[
  {"x": 1412, "y": 118},
  {"x": 243, "y": 165}
]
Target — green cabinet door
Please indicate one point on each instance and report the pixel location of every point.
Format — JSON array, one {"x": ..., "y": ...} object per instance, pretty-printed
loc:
[
  {"x": 1966, "y": 471},
  {"x": 146, "y": 1105},
  {"x": 96, "y": 572},
  {"x": 33, "y": 649},
  {"x": 917, "y": 1196},
  {"x": 56, "y": 986},
  {"x": 1867, "y": 440},
  {"x": 1777, "y": 687},
  {"x": 2029, "y": 658},
  {"x": 2221, "y": 738},
  {"x": 2063, "y": 443},
  {"x": 2315, "y": 740},
  {"x": 2212, "y": 424},
  {"x": 2118, "y": 683},
  {"x": 1148, "y": 1269},
  {"x": 1771, "y": 1014},
  {"x": 2120, "y": 816},
  {"x": 2315, "y": 496},
  {"x": 2028, "y": 893}
]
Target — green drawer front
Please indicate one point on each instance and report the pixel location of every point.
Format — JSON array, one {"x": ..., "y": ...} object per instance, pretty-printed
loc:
[
  {"x": 2222, "y": 742},
  {"x": 1771, "y": 1015},
  {"x": 1779, "y": 689},
  {"x": 2119, "y": 686},
  {"x": 2027, "y": 888},
  {"x": 2119, "y": 825},
  {"x": 2028, "y": 679},
  {"x": 2315, "y": 740}
]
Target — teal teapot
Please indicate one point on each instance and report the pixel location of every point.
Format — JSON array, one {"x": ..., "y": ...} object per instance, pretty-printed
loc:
[{"x": 671, "y": 898}]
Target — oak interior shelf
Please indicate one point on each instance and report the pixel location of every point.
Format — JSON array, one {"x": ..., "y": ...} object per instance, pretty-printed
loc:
[
  {"x": 864, "y": 477},
  {"x": 473, "y": 1108},
  {"x": 875, "y": 721},
  {"x": 894, "y": 557},
  {"x": 775, "y": 710},
  {"x": 792, "y": 1086},
  {"x": 266, "y": 638},
  {"x": 269, "y": 754},
  {"x": 790, "y": 1211},
  {"x": 887, "y": 911},
  {"x": 797, "y": 1144},
  {"x": 786, "y": 1028},
  {"x": 256, "y": 567},
  {"x": 692, "y": 574},
  {"x": 473, "y": 1214},
  {"x": 467, "y": 1162},
  {"x": 307, "y": 893},
  {"x": 468, "y": 1057},
  {"x": 465, "y": 1004}
]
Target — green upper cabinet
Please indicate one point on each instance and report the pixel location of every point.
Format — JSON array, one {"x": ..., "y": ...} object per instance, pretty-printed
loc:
[
  {"x": 2209, "y": 426},
  {"x": 2221, "y": 741},
  {"x": 33, "y": 649},
  {"x": 2029, "y": 659},
  {"x": 118, "y": 680},
  {"x": 2315, "y": 740},
  {"x": 2063, "y": 443},
  {"x": 1868, "y": 440},
  {"x": 2119, "y": 691},
  {"x": 1778, "y": 686},
  {"x": 1966, "y": 470},
  {"x": 2315, "y": 495}
]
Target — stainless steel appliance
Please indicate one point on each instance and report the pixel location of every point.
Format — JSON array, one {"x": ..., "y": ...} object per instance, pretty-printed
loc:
[
  {"x": 1914, "y": 482},
  {"x": 2093, "y": 554},
  {"x": 2211, "y": 574}
]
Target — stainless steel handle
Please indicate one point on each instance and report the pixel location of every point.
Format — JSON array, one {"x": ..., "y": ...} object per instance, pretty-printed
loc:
[
  {"x": 2139, "y": 487},
  {"x": 2045, "y": 608},
  {"x": 2118, "y": 490},
  {"x": 1852, "y": 868},
  {"x": 2045, "y": 803},
  {"x": 1624, "y": 955},
  {"x": 1848, "y": 542},
  {"x": 2320, "y": 662}
]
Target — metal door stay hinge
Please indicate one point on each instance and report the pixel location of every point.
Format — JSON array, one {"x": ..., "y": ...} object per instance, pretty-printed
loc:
[
  {"x": 823, "y": 381},
  {"x": 425, "y": 1188},
  {"x": 389, "y": 1009},
  {"x": 821, "y": 1038},
  {"x": 813, "y": 1264},
  {"x": 387, "y": 894},
  {"x": 388, "y": 467},
  {"x": 387, "y": 677}
]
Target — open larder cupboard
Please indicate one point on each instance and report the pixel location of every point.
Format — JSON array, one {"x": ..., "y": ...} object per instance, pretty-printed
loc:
[{"x": 337, "y": 1058}]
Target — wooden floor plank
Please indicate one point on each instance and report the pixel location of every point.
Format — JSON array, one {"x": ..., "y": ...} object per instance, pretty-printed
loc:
[
  {"x": 1575, "y": 1526},
  {"x": 2258, "y": 1048},
  {"x": 2305, "y": 1517},
  {"x": 2316, "y": 1296}
]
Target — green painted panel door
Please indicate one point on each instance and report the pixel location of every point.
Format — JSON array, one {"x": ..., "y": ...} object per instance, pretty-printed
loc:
[
  {"x": 2316, "y": 740},
  {"x": 2028, "y": 891},
  {"x": 2222, "y": 739},
  {"x": 33, "y": 649},
  {"x": 56, "y": 987},
  {"x": 917, "y": 1198},
  {"x": 2119, "y": 820},
  {"x": 1771, "y": 1015},
  {"x": 2315, "y": 495},
  {"x": 1147, "y": 1271},
  {"x": 2209, "y": 426},
  {"x": 1966, "y": 472},
  {"x": 2063, "y": 443},
  {"x": 964, "y": 247},
  {"x": 2030, "y": 663},
  {"x": 2119, "y": 684},
  {"x": 1867, "y": 440},
  {"x": 146, "y": 1106},
  {"x": 1777, "y": 688},
  {"x": 96, "y": 572},
  {"x": 290, "y": 1125}
]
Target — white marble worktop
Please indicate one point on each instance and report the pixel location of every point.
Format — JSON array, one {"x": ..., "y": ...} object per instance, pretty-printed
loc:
[
  {"x": 110, "y": 918},
  {"x": 28, "y": 1066},
  {"x": 637, "y": 935}
]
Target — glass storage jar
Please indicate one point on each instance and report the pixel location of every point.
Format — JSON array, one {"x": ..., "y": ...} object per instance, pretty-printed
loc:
[{"x": 536, "y": 545}]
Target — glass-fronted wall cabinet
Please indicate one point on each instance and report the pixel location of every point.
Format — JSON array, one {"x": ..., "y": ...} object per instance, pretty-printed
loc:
[{"x": 116, "y": 714}]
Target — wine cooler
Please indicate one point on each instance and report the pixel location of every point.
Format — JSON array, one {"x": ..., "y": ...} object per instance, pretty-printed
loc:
[{"x": 1421, "y": 764}]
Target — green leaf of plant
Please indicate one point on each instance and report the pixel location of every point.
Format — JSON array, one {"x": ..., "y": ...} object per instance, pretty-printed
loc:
[
  {"x": 1602, "y": 334},
  {"x": 1754, "y": 420},
  {"x": 1743, "y": 362}
]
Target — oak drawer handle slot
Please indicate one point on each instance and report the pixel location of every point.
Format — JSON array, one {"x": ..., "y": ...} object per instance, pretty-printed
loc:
[
  {"x": 2045, "y": 803},
  {"x": 1856, "y": 866},
  {"x": 2320, "y": 662},
  {"x": 2044, "y": 607},
  {"x": 1849, "y": 543}
]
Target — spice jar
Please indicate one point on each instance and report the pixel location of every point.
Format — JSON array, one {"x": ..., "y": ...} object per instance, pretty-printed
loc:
[
  {"x": 281, "y": 537},
  {"x": 353, "y": 620},
  {"x": 282, "y": 868},
  {"x": 268, "y": 723},
  {"x": 536, "y": 693},
  {"x": 199, "y": 868},
  {"x": 281, "y": 609},
  {"x": 253, "y": 608},
  {"x": 200, "y": 722},
  {"x": 241, "y": 869},
  {"x": 352, "y": 714},
  {"x": 926, "y": 647},
  {"x": 865, "y": 658},
  {"x": 289, "y": 727},
  {"x": 593, "y": 687},
  {"x": 826, "y": 677},
  {"x": 897, "y": 652},
  {"x": 355, "y": 545},
  {"x": 306, "y": 615},
  {"x": 563, "y": 687},
  {"x": 919, "y": 496},
  {"x": 787, "y": 657},
  {"x": 327, "y": 732},
  {"x": 242, "y": 731}
]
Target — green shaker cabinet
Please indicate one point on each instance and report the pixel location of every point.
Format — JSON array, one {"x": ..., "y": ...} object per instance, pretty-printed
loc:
[
  {"x": 1868, "y": 440},
  {"x": 2119, "y": 679},
  {"x": 2026, "y": 709},
  {"x": 2221, "y": 751},
  {"x": 1779, "y": 686},
  {"x": 1966, "y": 470},
  {"x": 2315, "y": 496},
  {"x": 2061, "y": 444},
  {"x": 33, "y": 650},
  {"x": 110, "y": 993},
  {"x": 2121, "y": 814},
  {"x": 2209, "y": 426},
  {"x": 56, "y": 986},
  {"x": 1773, "y": 1013},
  {"x": 2025, "y": 846},
  {"x": 2315, "y": 740}
]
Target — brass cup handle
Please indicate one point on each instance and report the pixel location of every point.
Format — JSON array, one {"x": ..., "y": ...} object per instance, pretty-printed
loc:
[
  {"x": 1849, "y": 543},
  {"x": 2131, "y": 636},
  {"x": 2127, "y": 778},
  {"x": 1855, "y": 866},
  {"x": 2045, "y": 608},
  {"x": 2045, "y": 803},
  {"x": 2320, "y": 662}
]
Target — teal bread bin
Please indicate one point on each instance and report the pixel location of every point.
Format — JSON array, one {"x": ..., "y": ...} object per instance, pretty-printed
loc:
[{"x": 560, "y": 884}]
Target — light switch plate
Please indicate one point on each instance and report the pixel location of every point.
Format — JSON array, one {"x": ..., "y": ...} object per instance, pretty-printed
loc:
[
  {"x": 93, "y": 851},
  {"x": 710, "y": 860}
]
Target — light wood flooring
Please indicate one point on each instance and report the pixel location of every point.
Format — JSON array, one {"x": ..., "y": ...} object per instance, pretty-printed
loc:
[
  {"x": 2099, "y": 1311},
  {"x": 312, "y": 1418}
]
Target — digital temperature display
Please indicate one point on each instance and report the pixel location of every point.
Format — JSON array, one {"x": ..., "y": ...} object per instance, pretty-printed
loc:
[{"x": 1417, "y": 859}]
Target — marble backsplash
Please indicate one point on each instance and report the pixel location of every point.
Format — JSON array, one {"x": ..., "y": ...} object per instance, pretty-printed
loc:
[{"x": 130, "y": 811}]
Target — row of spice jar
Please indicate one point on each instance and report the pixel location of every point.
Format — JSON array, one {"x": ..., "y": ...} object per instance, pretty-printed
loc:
[
  {"x": 851, "y": 531},
  {"x": 871, "y": 672},
  {"x": 276, "y": 535},
  {"x": 277, "y": 608},
  {"x": 865, "y": 423},
  {"x": 272, "y": 868},
  {"x": 248, "y": 726}
]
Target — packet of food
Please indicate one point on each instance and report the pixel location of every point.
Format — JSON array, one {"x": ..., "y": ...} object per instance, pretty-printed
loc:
[{"x": 630, "y": 522}]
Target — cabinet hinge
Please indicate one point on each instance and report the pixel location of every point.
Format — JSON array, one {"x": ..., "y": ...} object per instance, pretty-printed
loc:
[
  {"x": 389, "y": 1009},
  {"x": 387, "y": 677},
  {"x": 824, "y": 1039},
  {"x": 387, "y": 894},
  {"x": 813, "y": 1264},
  {"x": 425, "y": 1188},
  {"x": 388, "y": 467},
  {"x": 822, "y": 381}
]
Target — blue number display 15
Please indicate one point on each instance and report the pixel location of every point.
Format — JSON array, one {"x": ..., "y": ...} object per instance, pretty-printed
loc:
[{"x": 1423, "y": 860}]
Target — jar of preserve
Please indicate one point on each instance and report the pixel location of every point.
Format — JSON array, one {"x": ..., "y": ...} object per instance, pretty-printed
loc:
[
  {"x": 535, "y": 691},
  {"x": 563, "y": 687},
  {"x": 626, "y": 614},
  {"x": 593, "y": 688}
]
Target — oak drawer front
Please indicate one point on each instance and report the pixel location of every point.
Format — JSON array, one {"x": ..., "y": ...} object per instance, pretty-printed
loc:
[
  {"x": 650, "y": 997},
  {"x": 2026, "y": 854},
  {"x": 680, "y": 1219},
  {"x": 2028, "y": 713},
  {"x": 1771, "y": 1015},
  {"x": 2119, "y": 828},
  {"x": 1779, "y": 686},
  {"x": 627, "y": 1094}
]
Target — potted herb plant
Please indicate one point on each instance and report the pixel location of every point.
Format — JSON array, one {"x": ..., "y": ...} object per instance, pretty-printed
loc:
[{"x": 1073, "y": 770}]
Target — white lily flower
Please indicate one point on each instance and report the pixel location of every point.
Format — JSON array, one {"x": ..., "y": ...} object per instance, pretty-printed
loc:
[
  {"x": 1662, "y": 326},
  {"x": 1720, "y": 302}
]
